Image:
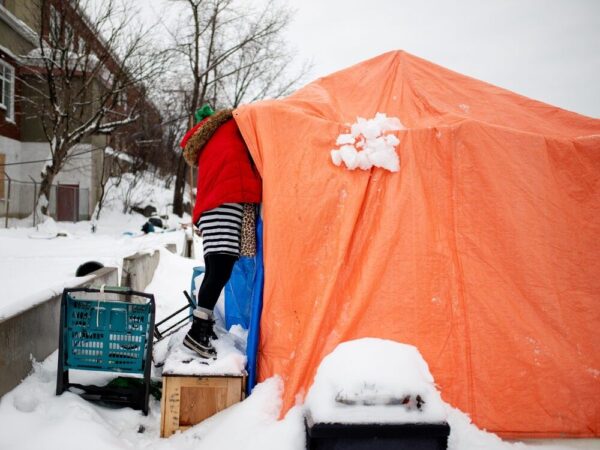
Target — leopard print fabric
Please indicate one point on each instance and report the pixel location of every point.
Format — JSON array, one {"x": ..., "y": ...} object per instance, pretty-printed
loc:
[{"x": 248, "y": 241}]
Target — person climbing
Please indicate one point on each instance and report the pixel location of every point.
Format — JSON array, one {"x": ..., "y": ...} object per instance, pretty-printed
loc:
[{"x": 228, "y": 189}]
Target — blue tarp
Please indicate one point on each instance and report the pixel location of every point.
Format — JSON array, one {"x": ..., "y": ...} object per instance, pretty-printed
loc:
[
  {"x": 243, "y": 301},
  {"x": 238, "y": 292}
]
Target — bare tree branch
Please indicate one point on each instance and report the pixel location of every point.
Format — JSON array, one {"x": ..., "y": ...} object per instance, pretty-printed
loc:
[
  {"x": 225, "y": 54},
  {"x": 81, "y": 72}
]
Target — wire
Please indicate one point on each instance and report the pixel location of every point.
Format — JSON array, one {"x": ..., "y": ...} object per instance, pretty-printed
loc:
[{"x": 46, "y": 160}]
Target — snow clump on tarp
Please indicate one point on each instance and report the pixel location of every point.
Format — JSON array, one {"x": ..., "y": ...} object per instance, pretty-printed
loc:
[
  {"x": 374, "y": 380},
  {"x": 369, "y": 143}
]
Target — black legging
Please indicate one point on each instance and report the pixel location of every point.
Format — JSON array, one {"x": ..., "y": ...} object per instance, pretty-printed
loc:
[{"x": 218, "y": 270}]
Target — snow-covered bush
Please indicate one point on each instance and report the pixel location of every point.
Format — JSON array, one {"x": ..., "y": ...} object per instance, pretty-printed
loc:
[{"x": 141, "y": 189}]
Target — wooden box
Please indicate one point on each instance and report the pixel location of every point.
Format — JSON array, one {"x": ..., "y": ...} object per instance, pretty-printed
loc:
[{"x": 188, "y": 400}]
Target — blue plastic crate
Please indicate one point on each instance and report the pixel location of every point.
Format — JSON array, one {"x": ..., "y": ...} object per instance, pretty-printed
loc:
[{"x": 106, "y": 335}]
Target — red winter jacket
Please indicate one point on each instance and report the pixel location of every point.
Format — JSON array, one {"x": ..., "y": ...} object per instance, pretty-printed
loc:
[{"x": 226, "y": 173}]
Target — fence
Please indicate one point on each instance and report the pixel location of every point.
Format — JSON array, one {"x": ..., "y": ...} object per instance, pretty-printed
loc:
[{"x": 67, "y": 203}]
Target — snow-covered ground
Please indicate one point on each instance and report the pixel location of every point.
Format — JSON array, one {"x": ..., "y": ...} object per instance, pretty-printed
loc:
[{"x": 32, "y": 417}]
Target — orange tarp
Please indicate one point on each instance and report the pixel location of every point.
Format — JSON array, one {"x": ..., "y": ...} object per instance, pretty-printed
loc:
[{"x": 483, "y": 251}]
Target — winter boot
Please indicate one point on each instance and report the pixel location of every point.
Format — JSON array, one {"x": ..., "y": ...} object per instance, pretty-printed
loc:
[{"x": 199, "y": 336}]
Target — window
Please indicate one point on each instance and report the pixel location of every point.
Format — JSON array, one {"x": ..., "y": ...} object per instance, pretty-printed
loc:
[
  {"x": 7, "y": 90},
  {"x": 81, "y": 46}
]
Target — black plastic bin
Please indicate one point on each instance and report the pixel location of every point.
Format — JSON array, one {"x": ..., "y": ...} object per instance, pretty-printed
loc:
[{"x": 376, "y": 436}]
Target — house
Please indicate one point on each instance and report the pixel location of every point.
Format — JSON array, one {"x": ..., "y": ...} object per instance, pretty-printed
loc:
[{"x": 24, "y": 147}]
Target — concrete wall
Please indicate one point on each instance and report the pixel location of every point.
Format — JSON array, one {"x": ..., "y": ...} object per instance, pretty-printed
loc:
[
  {"x": 138, "y": 270},
  {"x": 34, "y": 333}
]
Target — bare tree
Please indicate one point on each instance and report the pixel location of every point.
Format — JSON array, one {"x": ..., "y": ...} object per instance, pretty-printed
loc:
[
  {"x": 145, "y": 141},
  {"x": 261, "y": 69},
  {"x": 86, "y": 77},
  {"x": 229, "y": 53}
]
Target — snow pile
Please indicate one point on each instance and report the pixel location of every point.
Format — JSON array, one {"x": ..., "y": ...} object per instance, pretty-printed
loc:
[
  {"x": 251, "y": 424},
  {"x": 68, "y": 422},
  {"x": 33, "y": 417},
  {"x": 48, "y": 229},
  {"x": 179, "y": 360},
  {"x": 84, "y": 62},
  {"x": 374, "y": 380},
  {"x": 369, "y": 143},
  {"x": 363, "y": 380}
]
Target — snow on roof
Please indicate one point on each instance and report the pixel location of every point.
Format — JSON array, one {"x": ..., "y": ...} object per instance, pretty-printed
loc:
[
  {"x": 9, "y": 53},
  {"x": 18, "y": 25}
]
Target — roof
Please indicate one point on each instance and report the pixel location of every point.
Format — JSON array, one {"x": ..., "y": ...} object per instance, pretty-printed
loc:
[{"x": 18, "y": 25}]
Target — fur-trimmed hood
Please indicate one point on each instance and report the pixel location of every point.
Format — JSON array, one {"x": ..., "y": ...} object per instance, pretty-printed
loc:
[{"x": 202, "y": 135}]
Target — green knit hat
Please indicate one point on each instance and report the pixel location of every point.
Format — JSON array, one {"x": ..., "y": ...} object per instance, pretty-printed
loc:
[{"x": 203, "y": 113}]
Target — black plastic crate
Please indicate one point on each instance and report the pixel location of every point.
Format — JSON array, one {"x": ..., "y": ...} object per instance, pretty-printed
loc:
[{"x": 376, "y": 436}]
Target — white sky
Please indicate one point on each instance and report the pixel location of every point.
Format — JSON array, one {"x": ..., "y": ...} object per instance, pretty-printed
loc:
[{"x": 545, "y": 49}]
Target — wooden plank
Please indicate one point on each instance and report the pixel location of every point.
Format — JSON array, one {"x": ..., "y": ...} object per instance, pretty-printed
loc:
[
  {"x": 163, "y": 405},
  {"x": 170, "y": 413},
  {"x": 234, "y": 391}
]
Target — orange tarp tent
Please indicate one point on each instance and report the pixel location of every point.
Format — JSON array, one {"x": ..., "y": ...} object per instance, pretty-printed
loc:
[{"x": 483, "y": 251}]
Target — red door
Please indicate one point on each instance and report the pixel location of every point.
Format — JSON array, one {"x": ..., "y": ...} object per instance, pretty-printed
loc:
[{"x": 67, "y": 202}]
